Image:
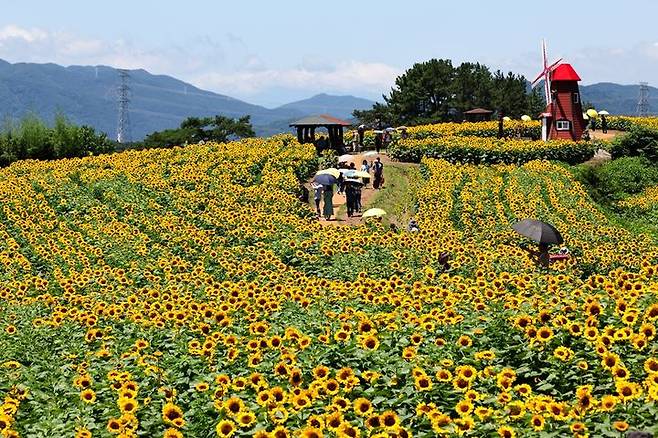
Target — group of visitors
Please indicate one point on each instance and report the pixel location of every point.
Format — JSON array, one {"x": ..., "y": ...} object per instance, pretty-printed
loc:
[
  {"x": 604, "y": 124},
  {"x": 348, "y": 186}
]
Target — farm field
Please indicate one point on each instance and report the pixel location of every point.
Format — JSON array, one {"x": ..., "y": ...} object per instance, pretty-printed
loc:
[{"x": 187, "y": 292}]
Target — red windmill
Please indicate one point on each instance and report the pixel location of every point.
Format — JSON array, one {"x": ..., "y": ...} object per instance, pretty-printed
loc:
[{"x": 563, "y": 117}]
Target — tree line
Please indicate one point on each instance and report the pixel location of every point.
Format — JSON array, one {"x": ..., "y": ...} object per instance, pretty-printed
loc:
[
  {"x": 32, "y": 138},
  {"x": 436, "y": 91}
]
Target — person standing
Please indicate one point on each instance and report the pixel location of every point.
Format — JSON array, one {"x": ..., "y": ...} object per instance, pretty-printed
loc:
[
  {"x": 378, "y": 168},
  {"x": 317, "y": 196},
  {"x": 604, "y": 124},
  {"x": 379, "y": 140},
  {"x": 361, "y": 132},
  {"x": 328, "y": 209},
  {"x": 350, "y": 197}
]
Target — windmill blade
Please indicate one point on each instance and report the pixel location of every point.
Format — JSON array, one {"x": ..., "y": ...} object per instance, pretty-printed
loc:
[
  {"x": 539, "y": 77},
  {"x": 555, "y": 64}
]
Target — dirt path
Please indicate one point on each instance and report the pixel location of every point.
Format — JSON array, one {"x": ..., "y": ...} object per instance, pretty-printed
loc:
[
  {"x": 610, "y": 135},
  {"x": 368, "y": 194}
]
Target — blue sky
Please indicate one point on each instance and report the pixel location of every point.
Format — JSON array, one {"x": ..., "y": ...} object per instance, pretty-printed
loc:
[{"x": 272, "y": 52}]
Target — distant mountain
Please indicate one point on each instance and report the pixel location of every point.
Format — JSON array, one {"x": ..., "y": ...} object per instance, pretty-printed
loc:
[
  {"x": 617, "y": 99},
  {"x": 338, "y": 106},
  {"x": 87, "y": 95}
]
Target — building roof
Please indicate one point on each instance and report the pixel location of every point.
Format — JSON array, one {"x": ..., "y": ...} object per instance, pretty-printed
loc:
[
  {"x": 321, "y": 120},
  {"x": 564, "y": 72},
  {"x": 479, "y": 111}
]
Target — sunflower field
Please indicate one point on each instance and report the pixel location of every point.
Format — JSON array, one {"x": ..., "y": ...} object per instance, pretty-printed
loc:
[{"x": 188, "y": 292}]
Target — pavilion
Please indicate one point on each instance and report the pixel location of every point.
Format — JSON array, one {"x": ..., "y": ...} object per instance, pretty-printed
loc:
[
  {"x": 478, "y": 115},
  {"x": 306, "y": 129}
]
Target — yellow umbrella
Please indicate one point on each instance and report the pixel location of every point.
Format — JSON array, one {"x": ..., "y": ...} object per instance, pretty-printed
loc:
[
  {"x": 592, "y": 113},
  {"x": 361, "y": 174},
  {"x": 373, "y": 212},
  {"x": 331, "y": 171},
  {"x": 525, "y": 118}
]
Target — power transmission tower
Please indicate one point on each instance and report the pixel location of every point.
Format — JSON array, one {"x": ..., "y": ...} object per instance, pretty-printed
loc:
[
  {"x": 123, "y": 98},
  {"x": 643, "y": 102}
]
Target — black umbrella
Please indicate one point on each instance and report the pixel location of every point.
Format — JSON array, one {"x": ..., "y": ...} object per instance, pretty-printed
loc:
[
  {"x": 325, "y": 179},
  {"x": 538, "y": 231}
]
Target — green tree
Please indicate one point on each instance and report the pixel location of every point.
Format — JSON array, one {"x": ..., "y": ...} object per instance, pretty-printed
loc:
[
  {"x": 510, "y": 94},
  {"x": 471, "y": 87},
  {"x": 423, "y": 94},
  {"x": 196, "y": 129}
]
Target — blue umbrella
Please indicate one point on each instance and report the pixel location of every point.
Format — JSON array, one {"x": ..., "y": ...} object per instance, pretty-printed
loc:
[{"x": 325, "y": 179}]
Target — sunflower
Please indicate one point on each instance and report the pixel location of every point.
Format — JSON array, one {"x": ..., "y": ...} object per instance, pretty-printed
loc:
[
  {"x": 83, "y": 433},
  {"x": 621, "y": 426},
  {"x": 234, "y": 405},
  {"x": 537, "y": 422},
  {"x": 346, "y": 430},
  {"x": 369, "y": 342},
  {"x": 171, "y": 433},
  {"x": 88, "y": 395},
  {"x": 464, "y": 407},
  {"x": 127, "y": 405},
  {"x": 506, "y": 432},
  {"x": 114, "y": 426},
  {"x": 423, "y": 383},
  {"x": 225, "y": 428},
  {"x": 246, "y": 419},
  {"x": 172, "y": 414},
  {"x": 544, "y": 334},
  {"x": 333, "y": 420},
  {"x": 311, "y": 432},
  {"x": 362, "y": 407},
  {"x": 390, "y": 420}
]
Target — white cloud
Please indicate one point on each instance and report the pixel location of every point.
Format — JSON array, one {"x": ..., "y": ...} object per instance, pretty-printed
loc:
[
  {"x": 13, "y": 32},
  {"x": 346, "y": 76}
]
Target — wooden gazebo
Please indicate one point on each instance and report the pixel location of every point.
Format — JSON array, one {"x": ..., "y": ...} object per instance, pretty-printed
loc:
[
  {"x": 478, "y": 115},
  {"x": 306, "y": 129}
]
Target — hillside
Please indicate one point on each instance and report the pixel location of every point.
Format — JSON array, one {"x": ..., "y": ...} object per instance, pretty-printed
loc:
[
  {"x": 618, "y": 99},
  {"x": 87, "y": 95},
  {"x": 338, "y": 106}
]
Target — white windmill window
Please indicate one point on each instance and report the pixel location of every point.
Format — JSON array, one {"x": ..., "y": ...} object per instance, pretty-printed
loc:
[
  {"x": 563, "y": 125},
  {"x": 576, "y": 97}
]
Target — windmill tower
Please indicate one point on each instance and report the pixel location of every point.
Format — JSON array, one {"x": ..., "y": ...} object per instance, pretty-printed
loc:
[
  {"x": 563, "y": 117},
  {"x": 123, "y": 99}
]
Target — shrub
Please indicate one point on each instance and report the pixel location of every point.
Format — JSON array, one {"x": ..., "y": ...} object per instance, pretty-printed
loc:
[
  {"x": 619, "y": 178},
  {"x": 639, "y": 141},
  {"x": 478, "y": 150}
]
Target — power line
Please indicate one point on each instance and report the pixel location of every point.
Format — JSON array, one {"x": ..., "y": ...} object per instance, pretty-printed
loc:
[
  {"x": 643, "y": 101},
  {"x": 123, "y": 100}
]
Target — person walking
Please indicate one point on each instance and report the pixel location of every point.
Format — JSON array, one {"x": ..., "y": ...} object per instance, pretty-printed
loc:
[
  {"x": 350, "y": 197},
  {"x": 604, "y": 124},
  {"x": 378, "y": 168},
  {"x": 365, "y": 167},
  {"x": 328, "y": 209},
  {"x": 361, "y": 132},
  {"x": 379, "y": 140},
  {"x": 317, "y": 197}
]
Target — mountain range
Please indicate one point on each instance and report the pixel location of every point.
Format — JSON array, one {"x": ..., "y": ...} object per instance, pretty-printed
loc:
[{"x": 88, "y": 95}]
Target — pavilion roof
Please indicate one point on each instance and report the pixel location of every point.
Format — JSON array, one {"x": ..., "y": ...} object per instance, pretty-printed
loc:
[
  {"x": 321, "y": 120},
  {"x": 479, "y": 111}
]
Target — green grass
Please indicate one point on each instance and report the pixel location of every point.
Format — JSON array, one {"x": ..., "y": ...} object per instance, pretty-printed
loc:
[{"x": 397, "y": 197}]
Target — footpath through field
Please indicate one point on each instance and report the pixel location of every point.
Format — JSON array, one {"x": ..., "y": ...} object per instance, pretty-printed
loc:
[{"x": 396, "y": 183}]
